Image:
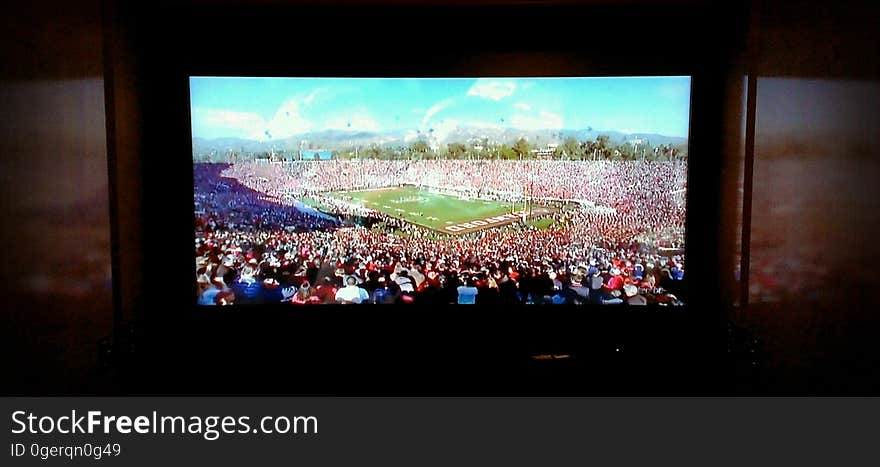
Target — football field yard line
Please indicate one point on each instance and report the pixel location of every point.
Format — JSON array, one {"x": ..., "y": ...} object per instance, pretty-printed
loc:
[{"x": 439, "y": 212}]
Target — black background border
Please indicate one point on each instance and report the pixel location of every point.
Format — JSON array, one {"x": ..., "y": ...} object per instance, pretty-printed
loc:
[{"x": 446, "y": 350}]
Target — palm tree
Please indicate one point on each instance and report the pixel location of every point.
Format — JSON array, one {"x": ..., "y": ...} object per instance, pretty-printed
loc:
[{"x": 602, "y": 144}]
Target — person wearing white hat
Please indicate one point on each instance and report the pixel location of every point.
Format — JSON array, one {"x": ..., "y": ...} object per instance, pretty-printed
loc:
[
  {"x": 247, "y": 286},
  {"x": 632, "y": 295},
  {"x": 557, "y": 284},
  {"x": 351, "y": 293}
]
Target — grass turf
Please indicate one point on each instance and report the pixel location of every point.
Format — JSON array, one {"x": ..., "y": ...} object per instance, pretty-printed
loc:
[
  {"x": 432, "y": 210},
  {"x": 541, "y": 224}
]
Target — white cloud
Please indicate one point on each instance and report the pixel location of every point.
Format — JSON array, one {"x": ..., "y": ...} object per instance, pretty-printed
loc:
[
  {"x": 492, "y": 89},
  {"x": 243, "y": 121},
  {"x": 522, "y": 106},
  {"x": 410, "y": 135},
  {"x": 311, "y": 97},
  {"x": 443, "y": 129},
  {"x": 436, "y": 108},
  {"x": 544, "y": 120},
  {"x": 286, "y": 122}
]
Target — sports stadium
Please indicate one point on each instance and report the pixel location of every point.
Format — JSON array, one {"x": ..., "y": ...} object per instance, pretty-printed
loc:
[{"x": 483, "y": 216}]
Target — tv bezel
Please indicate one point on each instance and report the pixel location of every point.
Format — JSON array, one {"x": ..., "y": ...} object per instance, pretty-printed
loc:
[{"x": 168, "y": 57}]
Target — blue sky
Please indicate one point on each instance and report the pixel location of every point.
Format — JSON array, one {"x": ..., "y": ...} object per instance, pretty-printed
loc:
[{"x": 274, "y": 108}]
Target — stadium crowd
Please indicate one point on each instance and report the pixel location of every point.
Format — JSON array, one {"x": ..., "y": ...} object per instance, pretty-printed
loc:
[{"x": 618, "y": 240}]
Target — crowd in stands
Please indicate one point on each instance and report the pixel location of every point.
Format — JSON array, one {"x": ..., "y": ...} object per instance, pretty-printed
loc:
[
  {"x": 608, "y": 183},
  {"x": 617, "y": 240}
]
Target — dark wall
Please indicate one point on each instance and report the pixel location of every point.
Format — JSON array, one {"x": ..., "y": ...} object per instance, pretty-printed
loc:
[
  {"x": 814, "y": 224},
  {"x": 55, "y": 223},
  {"x": 813, "y": 228},
  {"x": 418, "y": 41}
]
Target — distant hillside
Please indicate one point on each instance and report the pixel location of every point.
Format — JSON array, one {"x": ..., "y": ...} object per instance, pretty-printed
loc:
[{"x": 336, "y": 139}]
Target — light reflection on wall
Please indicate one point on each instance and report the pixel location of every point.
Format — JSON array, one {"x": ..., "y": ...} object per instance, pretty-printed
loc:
[
  {"x": 814, "y": 222},
  {"x": 56, "y": 274},
  {"x": 55, "y": 145}
]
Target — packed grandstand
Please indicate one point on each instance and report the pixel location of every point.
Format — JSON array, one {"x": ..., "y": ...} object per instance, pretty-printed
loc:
[{"x": 556, "y": 232}]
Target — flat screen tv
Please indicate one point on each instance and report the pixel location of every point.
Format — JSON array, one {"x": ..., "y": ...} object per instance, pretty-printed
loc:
[
  {"x": 440, "y": 191},
  {"x": 401, "y": 148}
]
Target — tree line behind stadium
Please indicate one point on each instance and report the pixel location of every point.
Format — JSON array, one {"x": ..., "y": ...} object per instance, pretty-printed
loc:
[{"x": 522, "y": 148}]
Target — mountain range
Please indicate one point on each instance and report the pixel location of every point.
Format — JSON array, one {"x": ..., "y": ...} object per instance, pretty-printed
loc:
[{"x": 335, "y": 139}]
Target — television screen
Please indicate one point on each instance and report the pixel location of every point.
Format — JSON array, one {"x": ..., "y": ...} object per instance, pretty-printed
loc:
[{"x": 487, "y": 191}]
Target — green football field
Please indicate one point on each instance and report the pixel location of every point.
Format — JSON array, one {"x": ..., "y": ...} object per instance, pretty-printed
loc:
[
  {"x": 432, "y": 210},
  {"x": 444, "y": 213}
]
